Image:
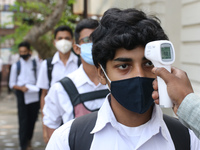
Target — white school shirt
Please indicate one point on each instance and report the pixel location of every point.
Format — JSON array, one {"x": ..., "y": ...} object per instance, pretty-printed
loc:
[
  {"x": 59, "y": 70},
  {"x": 111, "y": 135},
  {"x": 58, "y": 106},
  {"x": 26, "y": 76}
]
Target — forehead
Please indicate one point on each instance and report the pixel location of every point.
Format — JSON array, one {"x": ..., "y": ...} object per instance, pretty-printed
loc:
[
  {"x": 63, "y": 34},
  {"x": 135, "y": 54},
  {"x": 23, "y": 49},
  {"x": 85, "y": 32}
]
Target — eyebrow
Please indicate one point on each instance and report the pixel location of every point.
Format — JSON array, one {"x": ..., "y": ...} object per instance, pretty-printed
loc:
[
  {"x": 123, "y": 59},
  {"x": 144, "y": 58}
]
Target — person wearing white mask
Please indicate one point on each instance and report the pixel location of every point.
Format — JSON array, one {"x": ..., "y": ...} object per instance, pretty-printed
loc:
[
  {"x": 62, "y": 63},
  {"x": 58, "y": 106}
]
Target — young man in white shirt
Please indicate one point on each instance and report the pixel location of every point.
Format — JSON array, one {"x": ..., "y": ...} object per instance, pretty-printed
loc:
[
  {"x": 58, "y": 106},
  {"x": 128, "y": 119},
  {"x": 23, "y": 75},
  {"x": 63, "y": 62}
]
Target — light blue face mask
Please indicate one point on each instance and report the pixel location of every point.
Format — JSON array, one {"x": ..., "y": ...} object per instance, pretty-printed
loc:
[{"x": 86, "y": 53}]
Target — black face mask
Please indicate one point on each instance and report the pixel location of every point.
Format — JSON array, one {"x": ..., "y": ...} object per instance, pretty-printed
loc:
[
  {"x": 134, "y": 94},
  {"x": 25, "y": 56}
]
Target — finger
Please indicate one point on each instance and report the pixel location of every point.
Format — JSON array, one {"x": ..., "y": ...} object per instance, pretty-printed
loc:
[
  {"x": 155, "y": 95},
  {"x": 163, "y": 73},
  {"x": 155, "y": 84},
  {"x": 156, "y": 101}
]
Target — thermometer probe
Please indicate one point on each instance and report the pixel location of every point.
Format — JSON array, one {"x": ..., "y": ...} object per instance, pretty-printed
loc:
[{"x": 161, "y": 53}]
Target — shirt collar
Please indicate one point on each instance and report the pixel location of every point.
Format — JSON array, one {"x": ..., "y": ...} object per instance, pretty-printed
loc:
[
  {"x": 156, "y": 123},
  {"x": 56, "y": 58},
  {"x": 83, "y": 79}
]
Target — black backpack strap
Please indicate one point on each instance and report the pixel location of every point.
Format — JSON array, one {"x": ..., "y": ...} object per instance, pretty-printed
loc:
[
  {"x": 77, "y": 98},
  {"x": 93, "y": 95},
  {"x": 179, "y": 133},
  {"x": 79, "y": 61},
  {"x": 35, "y": 68},
  {"x": 79, "y": 136},
  {"x": 71, "y": 90},
  {"x": 18, "y": 67},
  {"x": 49, "y": 69}
]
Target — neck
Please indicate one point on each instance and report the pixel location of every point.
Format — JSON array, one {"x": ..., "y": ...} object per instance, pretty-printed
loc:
[
  {"x": 91, "y": 72},
  {"x": 127, "y": 117},
  {"x": 64, "y": 57},
  {"x": 26, "y": 58}
]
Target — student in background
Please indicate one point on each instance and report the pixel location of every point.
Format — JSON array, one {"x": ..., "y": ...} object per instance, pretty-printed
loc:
[
  {"x": 58, "y": 106},
  {"x": 23, "y": 77},
  {"x": 53, "y": 69}
]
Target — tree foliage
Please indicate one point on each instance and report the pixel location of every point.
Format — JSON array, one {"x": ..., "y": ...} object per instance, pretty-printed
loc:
[{"x": 35, "y": 21}]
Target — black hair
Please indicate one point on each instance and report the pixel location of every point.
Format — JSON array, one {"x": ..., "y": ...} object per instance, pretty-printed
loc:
[
  {"x": 83, "y": 24},
  {"x": 63, "y": 28},
  {"x": 129, "y": 29},
  {"x": 25, "y": 44}
]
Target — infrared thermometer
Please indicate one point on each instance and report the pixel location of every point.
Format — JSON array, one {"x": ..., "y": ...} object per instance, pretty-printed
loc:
[{"x": 161, "y": 53}]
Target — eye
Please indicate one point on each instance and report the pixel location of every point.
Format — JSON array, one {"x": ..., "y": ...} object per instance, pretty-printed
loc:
[
  {"x": 123, "y": 66},
  {"x": 67, "y": 38},
  {"x": 149, "y": 64}
]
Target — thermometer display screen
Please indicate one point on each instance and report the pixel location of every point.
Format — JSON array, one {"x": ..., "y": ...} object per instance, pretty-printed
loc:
[{"x": 166, "y": 52}]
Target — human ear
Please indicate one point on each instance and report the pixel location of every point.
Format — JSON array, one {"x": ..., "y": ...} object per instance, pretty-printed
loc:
[
  {"x": 76, "y": 49},
  {"x": 101, "y": 76}
]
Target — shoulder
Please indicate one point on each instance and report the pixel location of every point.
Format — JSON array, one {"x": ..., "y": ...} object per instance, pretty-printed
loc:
[
  {"x": 75, "y": 74},
  {"x": 44, "y": 64},
  {"x": 55, "y": 88},
  {"x": 59, "y": 138}
]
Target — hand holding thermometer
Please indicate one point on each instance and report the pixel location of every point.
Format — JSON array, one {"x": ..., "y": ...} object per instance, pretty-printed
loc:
[{"x": 161, "y": 53}]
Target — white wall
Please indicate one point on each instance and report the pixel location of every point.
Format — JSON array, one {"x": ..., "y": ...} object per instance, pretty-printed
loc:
[{"x": 190, "y": 41}]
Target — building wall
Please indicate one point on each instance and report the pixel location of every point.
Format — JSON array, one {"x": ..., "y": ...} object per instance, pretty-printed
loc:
[{"x": 190, "y": 41}]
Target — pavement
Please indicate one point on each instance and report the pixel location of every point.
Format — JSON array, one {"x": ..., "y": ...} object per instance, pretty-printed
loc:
[{"x": 9, "y": 125}]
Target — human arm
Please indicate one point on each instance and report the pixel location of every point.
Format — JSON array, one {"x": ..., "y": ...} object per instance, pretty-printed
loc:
[
  {"x": 189, "y": 113},
  {"x": 186, "y": 103},
  {"x": 59, "y": 139},
  {"x": 50, "y": 132},
  {"x": 13, "y": 80},
  {"x": 56, "y": 106},
  {"x": 43, "y": 94},
  {"x": 43, "y": 84}
]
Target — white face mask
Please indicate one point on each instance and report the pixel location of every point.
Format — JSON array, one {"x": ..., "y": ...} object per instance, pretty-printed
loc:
[{"x": 63, "y": 45}]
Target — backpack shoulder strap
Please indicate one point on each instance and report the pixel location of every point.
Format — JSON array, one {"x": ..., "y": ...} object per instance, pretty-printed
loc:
[
  {"x": 93, "y": 95},
  {"x": 18, "y": 67},
  {"x": 79, "y": 61},
  {"x": 79, "y": 136},
  {"x": 35, "y": 68},
  {"x": 49, "y": 69},
  {"x": 179, "y": 133},
  {"x": 71, "y": 90}
]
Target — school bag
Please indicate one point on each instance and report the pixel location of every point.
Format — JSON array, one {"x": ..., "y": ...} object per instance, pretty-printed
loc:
[
  {"x": 34, "y": 68},
  {"x": 80, "y": 137},
  {"x": 78, "y": 100},
  {"x": 50, "y": 68}
]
